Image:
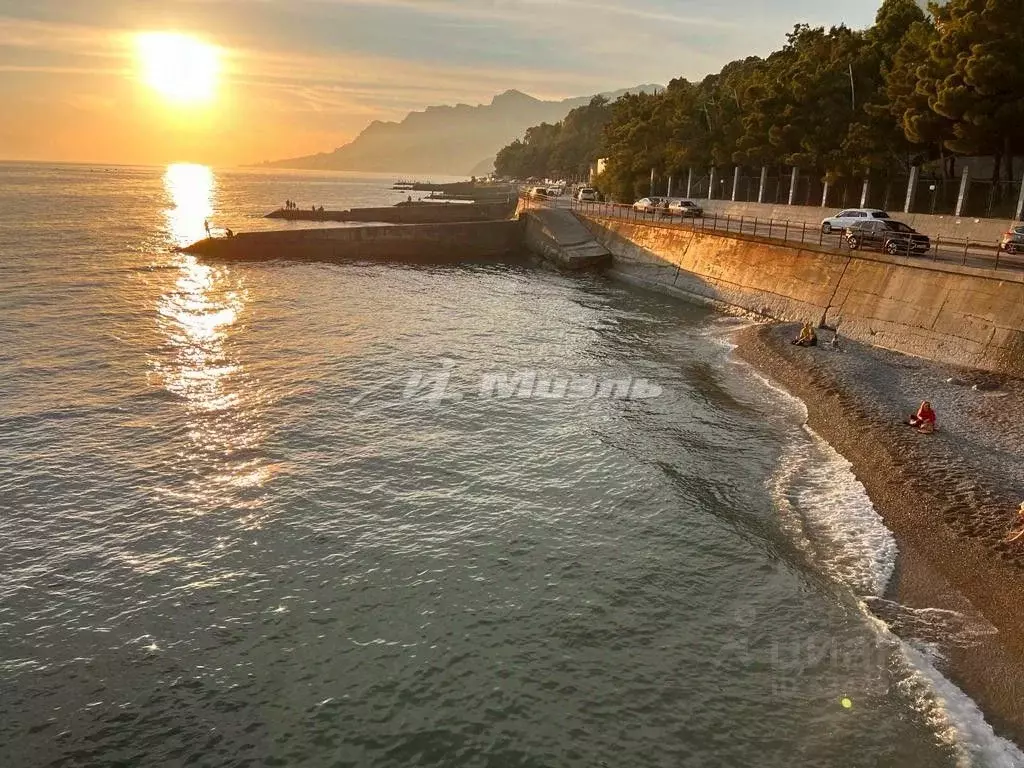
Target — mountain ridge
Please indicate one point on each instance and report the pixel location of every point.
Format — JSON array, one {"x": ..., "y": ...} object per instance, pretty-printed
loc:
[{"x": 460, "y": 139}]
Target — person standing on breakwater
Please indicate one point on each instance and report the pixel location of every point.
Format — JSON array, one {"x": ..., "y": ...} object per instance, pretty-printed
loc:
[
  {"x": 206, "y": 226},
  {"x": 924, "y": 419}
]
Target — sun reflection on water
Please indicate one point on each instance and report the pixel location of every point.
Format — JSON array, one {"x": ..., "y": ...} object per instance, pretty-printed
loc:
[
  {"x": 190, "y": 189},
  {"x": 223, "y": 462}
]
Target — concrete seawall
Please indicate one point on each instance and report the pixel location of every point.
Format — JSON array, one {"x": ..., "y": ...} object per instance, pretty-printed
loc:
[
  {"x": 559, "y": 237},
  {"x": 958, "y": 315},
  {"x": 406, "y": 213},
  {"x": 413, "y": 244}
]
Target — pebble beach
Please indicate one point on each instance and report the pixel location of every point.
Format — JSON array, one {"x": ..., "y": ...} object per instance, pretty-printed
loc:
[{"x": 951, "y": 498}]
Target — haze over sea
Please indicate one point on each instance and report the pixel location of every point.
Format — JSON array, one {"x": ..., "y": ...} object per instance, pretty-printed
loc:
[{"x": 228, "y": 537}]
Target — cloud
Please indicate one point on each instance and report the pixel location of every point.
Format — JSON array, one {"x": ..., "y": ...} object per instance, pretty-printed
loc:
[{"x": 324, "y": 68}]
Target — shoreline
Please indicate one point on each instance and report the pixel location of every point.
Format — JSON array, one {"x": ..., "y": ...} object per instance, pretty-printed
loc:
[{"x": 948, "y": 510}]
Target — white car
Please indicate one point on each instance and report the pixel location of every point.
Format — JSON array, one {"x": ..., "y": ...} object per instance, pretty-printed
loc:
[
  {"x": 849, "y": 217},
  {"x": 587, "y": 195},
  {"x": 647, "y": 204}
]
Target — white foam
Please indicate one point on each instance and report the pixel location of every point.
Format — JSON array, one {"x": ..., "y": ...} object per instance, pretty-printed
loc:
[
  {"x": 952, "y": 714},
  {"x": 828, "y": 513},
  {"x": 832, "y": 520}
]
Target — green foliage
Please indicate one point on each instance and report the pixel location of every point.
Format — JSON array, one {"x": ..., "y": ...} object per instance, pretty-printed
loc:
[
  {"x": 834, "y": 102},
  {"x": 977, "y": 81},
  {"x": 565, "y": 149}
]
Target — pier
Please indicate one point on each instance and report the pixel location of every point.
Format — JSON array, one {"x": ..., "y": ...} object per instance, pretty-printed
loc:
[
  {"x": 454, "y": 243},
  {"x": 406, "y": 213}
]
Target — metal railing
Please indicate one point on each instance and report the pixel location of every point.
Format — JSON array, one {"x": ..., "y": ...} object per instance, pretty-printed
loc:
[{"x": 984, "y": 255}]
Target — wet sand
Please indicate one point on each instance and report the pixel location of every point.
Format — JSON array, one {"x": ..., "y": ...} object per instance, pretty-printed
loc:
[{"x": 950, "y": 498}]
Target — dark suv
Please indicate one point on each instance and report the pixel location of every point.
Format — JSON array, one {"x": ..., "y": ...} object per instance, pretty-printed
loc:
[{"x": 891, "y": 236}]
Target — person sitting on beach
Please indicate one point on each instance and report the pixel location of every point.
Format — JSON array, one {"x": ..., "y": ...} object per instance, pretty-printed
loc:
[
  {"x": 924, "y": 419},
  {"x": 1014, "y": 535},
  {"x": 807, "y": 337}
]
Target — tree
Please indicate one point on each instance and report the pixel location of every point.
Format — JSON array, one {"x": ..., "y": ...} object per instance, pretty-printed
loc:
[
  {"x": 875, "y": 140},
  {"x": 909, "y": 83},
  {"x": 566, "y": 148},
  {"x": 978, "y": 60},
  {"x": 836, "y": 101}
]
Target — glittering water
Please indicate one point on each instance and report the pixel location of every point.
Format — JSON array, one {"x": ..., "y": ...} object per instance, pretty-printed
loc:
[{"x": 241, "y": 525}]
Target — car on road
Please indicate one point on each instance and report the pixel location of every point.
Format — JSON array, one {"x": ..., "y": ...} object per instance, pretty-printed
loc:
[
  {"x": 1013, "y": 239},
  {"x": 587, "y": 195},
  {"x": 893, "y": 237},
  {"x": 851, "y": 216},
  {"x": 685, "y": 208},
  {"x": 647, "y": 204},
  {"x": 540, "y": 192}
]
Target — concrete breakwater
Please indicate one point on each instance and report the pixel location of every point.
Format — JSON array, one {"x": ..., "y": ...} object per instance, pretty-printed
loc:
[
  {"x": 406, "y": 213},
  {"x": 943, "y": 312},
  {"x": 554, "y": 235},
  {"x": 413, "y": 244},
  {"x": 952, "y": 314}
]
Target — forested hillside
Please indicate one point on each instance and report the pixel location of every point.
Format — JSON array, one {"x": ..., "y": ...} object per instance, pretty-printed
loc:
[{"x": 915, "y": 87}]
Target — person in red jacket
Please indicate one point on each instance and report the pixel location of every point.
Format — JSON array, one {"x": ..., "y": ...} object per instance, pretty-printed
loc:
[{"x": 924, "y": 419}]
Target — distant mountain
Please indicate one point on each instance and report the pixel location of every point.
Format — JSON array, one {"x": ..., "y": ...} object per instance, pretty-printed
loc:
[{"x": 459, "y": 140}]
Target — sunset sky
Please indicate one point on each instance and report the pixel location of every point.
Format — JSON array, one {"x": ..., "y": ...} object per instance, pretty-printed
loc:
[{"x": 80, "y": 82}]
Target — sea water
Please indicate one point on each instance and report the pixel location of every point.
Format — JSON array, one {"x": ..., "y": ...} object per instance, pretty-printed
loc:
[{"x": 325, "y": 514}]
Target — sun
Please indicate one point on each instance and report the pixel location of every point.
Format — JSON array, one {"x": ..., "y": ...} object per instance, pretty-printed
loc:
[{"x": 180, "y": 68}]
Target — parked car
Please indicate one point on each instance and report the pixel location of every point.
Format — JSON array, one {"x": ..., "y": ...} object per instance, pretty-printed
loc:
[
  {"x": 540, "y": 192},
  {"x": 685, "y": 208},
  {"x": 851, "y": 216},
  {"x": 1013, "y": 239},
  {"x": 893, "y": 237},
  {"x": 587, "y": 195},
  {"x": 647, "y": 204}
]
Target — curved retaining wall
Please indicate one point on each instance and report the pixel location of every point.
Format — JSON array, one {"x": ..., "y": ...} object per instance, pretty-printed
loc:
[{"x": 958, "y": 315}]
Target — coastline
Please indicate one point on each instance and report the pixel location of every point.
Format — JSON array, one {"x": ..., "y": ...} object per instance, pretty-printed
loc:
[{"x": 949, "y": 498}]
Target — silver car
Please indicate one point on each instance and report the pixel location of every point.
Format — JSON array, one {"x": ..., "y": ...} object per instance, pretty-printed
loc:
[
  {"x": 647, "y": 204},
  {"x": 849, "y": 217},
  {"x": 685, "y": 208}
]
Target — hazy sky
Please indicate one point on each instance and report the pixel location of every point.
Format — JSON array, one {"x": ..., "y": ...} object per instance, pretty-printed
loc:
[{"x": 298, "y": 76}]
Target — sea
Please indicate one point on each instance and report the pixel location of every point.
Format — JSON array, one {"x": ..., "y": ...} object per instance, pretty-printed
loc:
[{"x": 312, "y": 514}]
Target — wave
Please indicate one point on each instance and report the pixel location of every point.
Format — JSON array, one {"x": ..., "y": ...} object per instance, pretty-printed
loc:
[{"x": 827, "y": 514}]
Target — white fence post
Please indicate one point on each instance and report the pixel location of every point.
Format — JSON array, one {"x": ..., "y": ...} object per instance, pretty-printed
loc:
[
  {"x": 961, "y": 198},
  {"x": 911, "y": 189}
]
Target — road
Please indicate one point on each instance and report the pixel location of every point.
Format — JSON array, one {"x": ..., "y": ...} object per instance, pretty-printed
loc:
[{"x": 948, "y": 252}]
